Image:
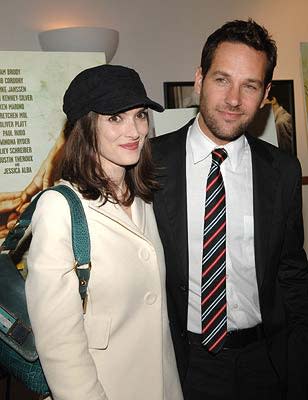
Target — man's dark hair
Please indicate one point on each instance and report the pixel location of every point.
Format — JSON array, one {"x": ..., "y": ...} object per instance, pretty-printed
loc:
[
  {"x": 245, "y": 32},
  {"x": 80, "y": 165}
]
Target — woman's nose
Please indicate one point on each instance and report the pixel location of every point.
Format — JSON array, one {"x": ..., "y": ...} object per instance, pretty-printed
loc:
[{"x": 133, "y": 130}]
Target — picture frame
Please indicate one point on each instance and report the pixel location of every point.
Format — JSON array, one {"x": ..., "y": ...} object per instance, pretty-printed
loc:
[
  {"x": 280, "y": 102},
  {"x": 178, "y": 94},
  {"x": 283, "y": 91}
]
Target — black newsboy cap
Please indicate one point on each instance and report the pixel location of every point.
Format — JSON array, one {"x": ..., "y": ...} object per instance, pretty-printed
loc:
[{"x": 105, "y": 89}]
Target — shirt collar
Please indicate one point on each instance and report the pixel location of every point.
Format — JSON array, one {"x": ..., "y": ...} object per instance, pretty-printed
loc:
[{"x": 202, "y": 147}]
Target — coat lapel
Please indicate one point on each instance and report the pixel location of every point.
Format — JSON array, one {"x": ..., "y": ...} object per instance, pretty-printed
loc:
[
  {"x": 265, "y": 178},
  {"x": 116, "y": 213},
  {"x": 139, "y": 214}
]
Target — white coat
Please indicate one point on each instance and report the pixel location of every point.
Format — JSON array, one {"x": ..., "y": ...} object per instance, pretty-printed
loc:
[{"x": 121, "y": 349}]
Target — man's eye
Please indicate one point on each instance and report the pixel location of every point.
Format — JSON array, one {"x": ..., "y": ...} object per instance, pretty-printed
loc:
[
  {"x": 251, "y": 87},
  {"x": 221, "y": 80}
]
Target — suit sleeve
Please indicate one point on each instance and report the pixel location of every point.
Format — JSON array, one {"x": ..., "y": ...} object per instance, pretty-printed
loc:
[
  {"x": 293, "y": 279},
  {"x": 55, "y": 307}
]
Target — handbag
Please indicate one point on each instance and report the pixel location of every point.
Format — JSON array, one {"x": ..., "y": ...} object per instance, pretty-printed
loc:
[{"x": 18, "y": 354}]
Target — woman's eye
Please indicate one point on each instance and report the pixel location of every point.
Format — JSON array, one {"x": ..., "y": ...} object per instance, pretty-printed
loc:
[
  {"x": 142, "y": 115},
  {"x": 114, "y": 118}
]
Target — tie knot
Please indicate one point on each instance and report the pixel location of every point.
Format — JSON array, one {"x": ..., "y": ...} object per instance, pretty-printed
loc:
[{"x": 219, "y": 155}]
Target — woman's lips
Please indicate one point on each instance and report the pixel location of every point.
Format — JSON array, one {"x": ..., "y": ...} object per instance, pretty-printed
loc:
[{"x": 130, "y": 146}]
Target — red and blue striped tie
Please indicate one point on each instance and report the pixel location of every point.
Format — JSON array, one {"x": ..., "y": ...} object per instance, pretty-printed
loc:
[{"x": 213, "y": 282}]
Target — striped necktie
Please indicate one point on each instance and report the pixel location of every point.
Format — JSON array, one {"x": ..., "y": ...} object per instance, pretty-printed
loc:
[{"x": 213, "y": 289}]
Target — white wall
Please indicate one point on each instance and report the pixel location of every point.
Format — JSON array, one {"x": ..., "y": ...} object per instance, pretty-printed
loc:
[{"x": 162, "y": 39}]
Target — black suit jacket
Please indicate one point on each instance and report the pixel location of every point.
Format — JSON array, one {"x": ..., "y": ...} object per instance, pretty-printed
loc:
[{"x": 281, "y": 263}]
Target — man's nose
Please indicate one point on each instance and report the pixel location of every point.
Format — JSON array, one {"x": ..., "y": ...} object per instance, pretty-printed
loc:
[{"x": 233, "y": 96}]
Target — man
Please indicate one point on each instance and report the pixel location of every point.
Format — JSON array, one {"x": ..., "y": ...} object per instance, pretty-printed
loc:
[{"x": 231, "y": 226}]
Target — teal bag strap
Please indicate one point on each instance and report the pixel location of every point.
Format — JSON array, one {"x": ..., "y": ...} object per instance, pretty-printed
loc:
[
  {"x": 80, "y": 235},
  {"x": 80, "y": 240},
  {"x": 80, "y": 231}
]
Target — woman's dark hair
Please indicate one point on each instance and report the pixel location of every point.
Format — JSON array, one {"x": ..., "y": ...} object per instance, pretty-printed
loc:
[
  {"x": 245, "y": 32},
  {"x": 80, "y": 165}
]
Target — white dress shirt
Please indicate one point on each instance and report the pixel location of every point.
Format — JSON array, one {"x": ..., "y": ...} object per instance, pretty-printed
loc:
[{"x": 243, "y": 309}]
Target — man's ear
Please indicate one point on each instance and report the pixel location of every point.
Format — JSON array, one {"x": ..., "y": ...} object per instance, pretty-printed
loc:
[
  {"x": 266, "y": 92},
  {"x": 198, "y": 80}
]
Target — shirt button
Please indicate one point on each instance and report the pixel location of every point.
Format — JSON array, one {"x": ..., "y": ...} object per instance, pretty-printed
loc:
[
  {"x": 235, "y": 306},
  {"x": 227, "y": 276},
  {"x": 144, "y": 254},
  {"x": 150, "y": 298}
]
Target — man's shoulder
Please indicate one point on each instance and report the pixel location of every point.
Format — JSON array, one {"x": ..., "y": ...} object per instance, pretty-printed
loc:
[
  {"x": 272, "y": 153},
  {"x": 171, "y": 137}
]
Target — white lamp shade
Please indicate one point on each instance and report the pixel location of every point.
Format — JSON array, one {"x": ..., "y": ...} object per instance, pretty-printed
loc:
[{"x": 81, "y": 39}]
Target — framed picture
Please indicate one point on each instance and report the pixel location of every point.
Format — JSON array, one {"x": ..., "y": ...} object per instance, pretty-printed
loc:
[
  {"x": 180, "y": 95},
  {"x": 279, "y": 107},
  {"x": 281, "y": 98}
]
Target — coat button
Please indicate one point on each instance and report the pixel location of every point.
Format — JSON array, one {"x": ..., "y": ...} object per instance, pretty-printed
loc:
[
  {"x": 144, "y": 254},
  {"x": 150, "y": 298},
  {"x": 183, "y": 288}
]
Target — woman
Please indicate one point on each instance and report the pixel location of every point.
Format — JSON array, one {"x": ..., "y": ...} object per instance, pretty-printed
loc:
[{"x": 121, "y": 348}]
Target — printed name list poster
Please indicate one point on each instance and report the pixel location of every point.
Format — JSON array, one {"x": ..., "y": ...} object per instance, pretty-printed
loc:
[{"x": 32, "y": 85}]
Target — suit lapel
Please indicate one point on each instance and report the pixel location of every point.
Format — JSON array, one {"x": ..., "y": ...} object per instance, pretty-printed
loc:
[
  {"x": 173, "y": 183},
  {"x": 265, "y": 178},
  {"x": 177, "y": 203}
]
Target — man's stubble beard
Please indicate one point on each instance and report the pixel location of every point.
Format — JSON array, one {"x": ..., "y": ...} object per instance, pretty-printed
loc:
[{"x": 212, "y": 124}]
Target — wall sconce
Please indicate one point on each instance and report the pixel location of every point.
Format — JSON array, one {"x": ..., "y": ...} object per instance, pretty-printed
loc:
[{"x": 81, "y": 39}]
